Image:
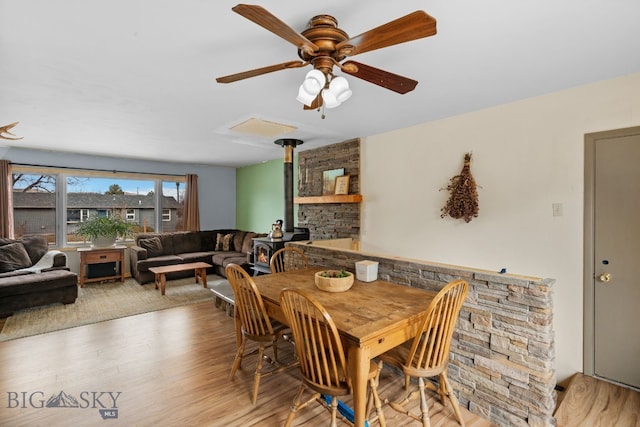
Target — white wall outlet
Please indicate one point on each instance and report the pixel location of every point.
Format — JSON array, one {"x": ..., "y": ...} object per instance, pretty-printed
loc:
[{"x": 557, "y": 209}]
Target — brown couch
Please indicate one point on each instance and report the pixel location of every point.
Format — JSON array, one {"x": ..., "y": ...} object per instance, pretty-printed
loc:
[
  {"x": 154, "y": 250},
  {"x": 31, "y": 275}
]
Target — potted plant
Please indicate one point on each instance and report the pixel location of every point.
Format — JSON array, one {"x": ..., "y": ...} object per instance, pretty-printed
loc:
[{"x": 104, "y": 230}]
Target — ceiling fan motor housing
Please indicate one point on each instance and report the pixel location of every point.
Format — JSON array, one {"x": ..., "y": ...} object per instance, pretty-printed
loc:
[{"x": 323, "y": 31}]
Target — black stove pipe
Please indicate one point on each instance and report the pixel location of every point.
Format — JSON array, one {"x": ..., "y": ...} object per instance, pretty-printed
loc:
[{"x": 288, "y": 145}]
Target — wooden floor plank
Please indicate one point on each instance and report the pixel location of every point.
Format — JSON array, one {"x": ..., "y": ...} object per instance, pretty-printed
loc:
[
  {"x": 171, "y": 368},
  {"x": 590, "y": 402}
]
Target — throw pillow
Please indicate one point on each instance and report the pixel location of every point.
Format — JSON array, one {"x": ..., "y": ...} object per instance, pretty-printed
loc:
[
  {"x": 5, "y": 241},
  {"x": 224, "y": 242},
  {"x": 247, "y": 243},
  {"x": 153, "y": 245},
  {"x": 13, "y": 257},
  {"x": 36, "y": 247},
  {"x": 238, "y": 238},
  {"x": 227, "y": 243},
  {"x": 218, "y": 245}
]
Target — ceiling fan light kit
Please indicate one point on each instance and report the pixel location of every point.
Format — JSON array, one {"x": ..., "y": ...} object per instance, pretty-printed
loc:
[
  {"x": 323, "y": 45},
  {"x": 333, "y": 94}
]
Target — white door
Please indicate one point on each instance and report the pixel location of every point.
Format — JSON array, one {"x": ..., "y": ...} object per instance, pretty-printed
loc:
[{"x": 616, "y": 256}]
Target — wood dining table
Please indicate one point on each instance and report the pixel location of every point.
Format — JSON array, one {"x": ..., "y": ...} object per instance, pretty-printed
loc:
[{"x": 371, "y": 317}]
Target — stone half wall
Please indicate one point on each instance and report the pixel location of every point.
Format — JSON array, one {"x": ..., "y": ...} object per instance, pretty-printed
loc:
[{"x": 502, "y": 352}]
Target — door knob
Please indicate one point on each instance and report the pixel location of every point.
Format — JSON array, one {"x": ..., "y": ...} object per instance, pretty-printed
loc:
[{"x": 605, "y": 277}]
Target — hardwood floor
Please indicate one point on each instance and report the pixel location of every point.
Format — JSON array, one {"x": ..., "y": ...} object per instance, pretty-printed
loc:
[
  {"x": 590, "y": 402},
  {"x": 165, "y": 368}
]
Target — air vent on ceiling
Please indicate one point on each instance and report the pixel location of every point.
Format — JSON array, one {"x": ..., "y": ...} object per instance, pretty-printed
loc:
[{"x": 263, "y": 128}]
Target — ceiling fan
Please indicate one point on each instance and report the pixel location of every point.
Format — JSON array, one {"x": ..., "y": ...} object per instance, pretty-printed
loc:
[
  {"x": 323, "y": 45},
  {"x": 5, "y": 129}
]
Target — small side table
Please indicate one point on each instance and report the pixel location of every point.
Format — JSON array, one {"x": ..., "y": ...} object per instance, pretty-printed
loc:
[{"x": 91, "y": 255}]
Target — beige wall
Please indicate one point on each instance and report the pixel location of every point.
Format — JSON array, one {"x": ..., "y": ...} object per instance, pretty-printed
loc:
[{"x": 527, "y": 155}]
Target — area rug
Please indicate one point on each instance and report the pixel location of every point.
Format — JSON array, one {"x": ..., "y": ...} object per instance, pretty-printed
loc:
[{"x": 105, "y": 301}]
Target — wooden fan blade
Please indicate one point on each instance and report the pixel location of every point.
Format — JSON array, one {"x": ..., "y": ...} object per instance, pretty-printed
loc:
[
  {"x": 259, "y": 71},
  {"x": 317, "y": 103},
  {"x": 5, "y": 129},
  {"x": 413, "y": 26},
  {"x": 380, "y": 77},
  {"x": 265, "y": 19}
]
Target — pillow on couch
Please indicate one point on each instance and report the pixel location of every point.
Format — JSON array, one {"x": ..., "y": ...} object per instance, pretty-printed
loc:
[
  {"x": 5, "y": 241},
  {"x": 36, "y": 247},
  {"x": 13, "y": 257},
  {"x": 238, "y": 237},
  {"x": 153, "y": 245},
  {"x": 247, "y": 243},
  {"x": 224, "y": 242}
]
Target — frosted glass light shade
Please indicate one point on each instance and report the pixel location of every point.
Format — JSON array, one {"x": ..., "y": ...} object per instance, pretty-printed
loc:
[
  {"x": 314, "y": 82},
  {"x": 330, "y": 100},
  {"x": 339, "y": 87},
  {"x": 305, "y": 97}
]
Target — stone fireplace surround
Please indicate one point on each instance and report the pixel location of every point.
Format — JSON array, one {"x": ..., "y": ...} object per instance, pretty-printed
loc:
[
  {"x": 502, "y": 352},
  {"x": 329, "y": 220}
]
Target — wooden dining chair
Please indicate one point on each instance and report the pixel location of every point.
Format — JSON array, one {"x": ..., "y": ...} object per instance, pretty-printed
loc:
[
  {"x": 427, "y": 355},
  {"x": 255, "y": 324},
  {"x": 322, "y": 358},
  {"x": 287, "y": 259}
]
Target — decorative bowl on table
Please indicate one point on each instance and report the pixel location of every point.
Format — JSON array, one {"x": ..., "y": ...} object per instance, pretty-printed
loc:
[{"x": 334, "y": 280}]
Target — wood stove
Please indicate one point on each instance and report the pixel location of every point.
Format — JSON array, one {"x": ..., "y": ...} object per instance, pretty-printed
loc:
[{"x": 264, "y": 247}]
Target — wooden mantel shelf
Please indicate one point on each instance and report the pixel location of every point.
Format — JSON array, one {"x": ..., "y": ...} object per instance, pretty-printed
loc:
[{"x": 341, "y": 198}]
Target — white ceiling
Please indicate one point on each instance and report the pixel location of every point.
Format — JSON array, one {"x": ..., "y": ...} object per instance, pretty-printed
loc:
[{"x": 136, "y": 78}]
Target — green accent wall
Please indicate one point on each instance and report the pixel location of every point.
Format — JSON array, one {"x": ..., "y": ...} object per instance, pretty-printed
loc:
[{"x": 260, "y": 195}]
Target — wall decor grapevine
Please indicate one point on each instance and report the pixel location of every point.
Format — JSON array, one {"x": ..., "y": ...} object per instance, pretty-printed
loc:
[{"x": 463, "y": 195}]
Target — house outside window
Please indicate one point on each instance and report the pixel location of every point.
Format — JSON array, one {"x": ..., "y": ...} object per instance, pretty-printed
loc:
[
  {"x": 173, "y": 201},
  {"x": 77, "y": 215},
  {"x": 38, "y": 192}
]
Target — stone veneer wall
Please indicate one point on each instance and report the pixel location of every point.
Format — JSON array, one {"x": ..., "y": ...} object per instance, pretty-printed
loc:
[
  {"x": 329, "y": 220},
  {"x": 503, "y": 347}
]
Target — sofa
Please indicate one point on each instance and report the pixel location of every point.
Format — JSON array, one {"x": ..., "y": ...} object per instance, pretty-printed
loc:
[
  {"x": 215, "y": 247},
  {"x": 31, "y": 275}
]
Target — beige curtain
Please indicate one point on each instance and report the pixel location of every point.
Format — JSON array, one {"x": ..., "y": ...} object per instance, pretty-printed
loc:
[
  {"x": 191, "y": 205},
  {"x": 6, "y": 200}
]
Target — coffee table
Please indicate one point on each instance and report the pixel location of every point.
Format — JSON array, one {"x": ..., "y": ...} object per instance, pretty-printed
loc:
[{"x": 200, "y": 269}]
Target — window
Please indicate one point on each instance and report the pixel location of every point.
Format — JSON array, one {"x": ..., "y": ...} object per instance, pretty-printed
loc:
[
  {"x": 35, "y": 203},
  {"x": 77, "y": 215},
  {"x": 109, "y": 196},
  {"x": 172, "y": 205},
  {"x": 38, "y": 194}
]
